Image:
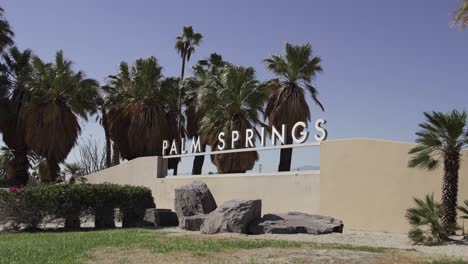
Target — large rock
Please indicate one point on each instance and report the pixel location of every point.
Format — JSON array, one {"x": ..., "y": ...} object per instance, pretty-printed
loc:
[
  {"x": 294, "y": 223},
  {"x": 193, "y": 199},
  {"x": 193, "y": 223},
  {"x": 232, "y": 216}
]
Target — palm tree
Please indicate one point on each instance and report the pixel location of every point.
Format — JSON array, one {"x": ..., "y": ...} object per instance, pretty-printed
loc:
[
  {"x": 461, "y": 15},
  {"x": 185, "y": 46},
  {"x": 287, "y": 103},
  {"x": 231, "y": 101},
  {"x": 103, "y": 120},
  {"x": 114, "y": 96},
  {"x": 441, "y": 138},
  {"x": 6, "y": 34},
  {"x": 202, "y": 71},
  {"x": 144, "y": 109},
  {"x": 16, "y": 74},
  {"x": 59, "y": 96}
]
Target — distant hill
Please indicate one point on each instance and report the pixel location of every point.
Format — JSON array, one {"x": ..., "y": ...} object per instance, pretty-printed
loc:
[{"x": 306, "y": 168}]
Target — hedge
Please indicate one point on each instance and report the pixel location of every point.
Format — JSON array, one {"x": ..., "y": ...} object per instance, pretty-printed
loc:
[{"x": 45, "y": 203}]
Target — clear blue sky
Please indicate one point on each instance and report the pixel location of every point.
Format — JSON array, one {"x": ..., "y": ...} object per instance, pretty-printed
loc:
[{"x": 385, "y": 62}]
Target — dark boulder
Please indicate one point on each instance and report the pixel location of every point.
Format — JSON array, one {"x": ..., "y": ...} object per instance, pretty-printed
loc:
[{"x": 295, "y": 223}]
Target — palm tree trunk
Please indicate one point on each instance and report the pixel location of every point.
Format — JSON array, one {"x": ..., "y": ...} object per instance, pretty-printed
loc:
[
  {"x": 108, "y": 142},
  {"x": 198, "y": 162},
  {"x": 180, "y": 91},
  {"x": 115, "y": 154},
  {"x": 53, "y": 169},
  {"x": 450, "y": 187},
  {"x": 285, "y": 156},
  {"x": 21, "y": 165}
]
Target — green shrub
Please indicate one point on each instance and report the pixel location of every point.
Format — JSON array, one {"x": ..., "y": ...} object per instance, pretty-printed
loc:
[
  {"x": 71, "y": 202},
  {"x": 132, "y": 209},
  {"x": 426, "y": 221}
]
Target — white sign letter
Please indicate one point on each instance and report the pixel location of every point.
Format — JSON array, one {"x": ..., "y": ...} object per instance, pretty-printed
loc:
[
  {"x": 262, "y": 137},
  {"x": 221, "y": 140},
  {"x": 320, "y": 129},
  {"x": 165, "y": 146},
  {"x": 304, "y": 133},
  {"x": 234, "y": 138},
  {"x": 196, "y": 146},
  {"x": 249, "y": 134},
  {"x": 173, "y": 148},
  {"x": 275, "y": 134}
]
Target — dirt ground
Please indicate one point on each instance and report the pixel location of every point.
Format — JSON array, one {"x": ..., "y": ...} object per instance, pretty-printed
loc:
[{"x": 258, "y": 256}]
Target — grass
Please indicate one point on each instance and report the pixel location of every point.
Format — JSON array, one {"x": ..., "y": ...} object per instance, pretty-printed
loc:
[
  {"x": 448, "y": 262},
  {"x": 75, "y": 247}
]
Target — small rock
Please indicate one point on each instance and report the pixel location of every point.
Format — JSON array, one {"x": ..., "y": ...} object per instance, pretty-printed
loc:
[
  {"x": 193, "y": 223},
  {"x": 232, "y": 216},
  {"x": 295, "y": 223},
  {"x": 193, "y": 199}
]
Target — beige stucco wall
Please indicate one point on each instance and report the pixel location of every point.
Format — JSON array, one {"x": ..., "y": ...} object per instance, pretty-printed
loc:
[
  {"x": 280, "y": 192},
  {"x": 364, "y": 182},
  {"x": 368, "y": 185}
]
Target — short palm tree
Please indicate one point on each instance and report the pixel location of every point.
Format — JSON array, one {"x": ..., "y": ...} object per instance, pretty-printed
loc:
[
  {"x": 231, "y": 101},
  {"x": 185, "y": 46},
  {"x": 6, "y": 34},
  {"x": 440, "y": 139},
  {"x": 16, "y": 75},
  {"x": 425, "y": 219},
  {"x": 287, "y": 103},
  {"x": 59, "y": 95},
  {"x": 461, "y": 14},
  {"x": 191, "y": 86}
]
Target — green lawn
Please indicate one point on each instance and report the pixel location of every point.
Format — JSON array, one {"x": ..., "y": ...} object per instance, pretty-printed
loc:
[
  {"x": 77, "y": 247},
  {"x": 74, "y": 247}
]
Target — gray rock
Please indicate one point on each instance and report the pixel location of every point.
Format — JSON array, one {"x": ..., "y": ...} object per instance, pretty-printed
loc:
[
  {"x": 232, "y": 216},
  {"x": 193, "y": 199},
  {"x": 193, "y": 223},
  {"x": 294, "y": 223},
  {"x": 151, "y": 217}
]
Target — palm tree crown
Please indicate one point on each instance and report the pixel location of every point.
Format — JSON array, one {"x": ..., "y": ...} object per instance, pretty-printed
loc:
[
  {"x": 186, "y": 42},
  {"x": 461, "y": 14},
  {"x": 441, "y": 138},
  {"x": 6, "y": 34}
]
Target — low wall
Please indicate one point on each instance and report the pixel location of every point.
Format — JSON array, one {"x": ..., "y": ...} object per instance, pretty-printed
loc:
[
  {"x": 367, "y": 183},
  {"x": 364, "y": 182},
  {"x": 280, "y": 192}
]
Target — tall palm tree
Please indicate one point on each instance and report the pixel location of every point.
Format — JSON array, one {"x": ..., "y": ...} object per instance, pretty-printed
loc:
[
  {"x": 6, "y": 34},
  {"x": 231, "y": 101},
  {"x": 185, "y": 46},
  {"x": 441, "y": 139},
  {"x": 287, "y": 103},
  {"x": 144, "y": 109},
  {"x": 16, "y": 75},
  {"x": 191, "y": 86},
  {"x": 461, "y": 15},
  {"x": 59, "y": 95}
]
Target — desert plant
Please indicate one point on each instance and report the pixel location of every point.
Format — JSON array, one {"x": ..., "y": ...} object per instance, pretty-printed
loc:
[
  {"x": 441, "y": 139},
  {"x": 426, "y": 220}
]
